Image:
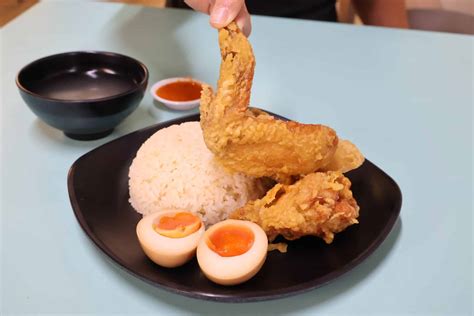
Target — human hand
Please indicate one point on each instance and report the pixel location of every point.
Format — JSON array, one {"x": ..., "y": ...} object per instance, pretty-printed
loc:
[{"x": 222, "y": 12}]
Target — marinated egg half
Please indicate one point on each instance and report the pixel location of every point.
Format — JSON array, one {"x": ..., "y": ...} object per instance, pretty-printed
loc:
[
  {"x": 170, "y": 238},
  {"x": 232, "y": 251}
]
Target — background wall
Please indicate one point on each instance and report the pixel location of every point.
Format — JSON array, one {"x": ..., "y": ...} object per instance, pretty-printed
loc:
[
  {"x": 463, "y": 6},
  {"x": 9, "y": 9}
]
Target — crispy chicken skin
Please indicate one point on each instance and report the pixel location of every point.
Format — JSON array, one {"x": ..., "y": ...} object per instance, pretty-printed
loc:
[
  {"x": 346, "y": 158},
  {"x": 320, "y": 204},
  {"x": 249, "y": 141}
]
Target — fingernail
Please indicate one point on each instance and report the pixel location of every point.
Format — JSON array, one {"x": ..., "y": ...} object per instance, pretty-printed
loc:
[{"x": 219, "y": 16}]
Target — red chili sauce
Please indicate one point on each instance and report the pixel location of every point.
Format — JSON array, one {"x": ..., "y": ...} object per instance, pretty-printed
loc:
[{"x": 186, "y": 90}]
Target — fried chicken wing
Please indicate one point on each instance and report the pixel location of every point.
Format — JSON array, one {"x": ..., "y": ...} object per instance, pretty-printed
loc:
[
  {"x": 250, "y": 141},
  {"x": 346, "y": 158},
  {"x": 320, "y": 204}
]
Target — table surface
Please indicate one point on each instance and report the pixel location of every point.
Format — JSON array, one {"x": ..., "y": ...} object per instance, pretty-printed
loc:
[{"x": 404, "y": 97}]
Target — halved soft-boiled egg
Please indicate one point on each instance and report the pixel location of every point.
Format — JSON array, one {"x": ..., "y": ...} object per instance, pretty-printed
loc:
[
  {"x": 232, "y": 251},
  {"x": 170, "y": 238}
]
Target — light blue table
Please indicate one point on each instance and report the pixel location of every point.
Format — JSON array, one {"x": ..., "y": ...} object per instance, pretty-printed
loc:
[{"x": 404, "y": 97}]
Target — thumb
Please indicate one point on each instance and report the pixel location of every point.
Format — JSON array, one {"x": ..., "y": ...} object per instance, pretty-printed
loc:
[{"x": 224, "y": 11}]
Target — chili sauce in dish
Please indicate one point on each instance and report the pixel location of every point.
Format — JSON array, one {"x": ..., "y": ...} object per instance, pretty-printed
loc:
[{"x": 181, "y": 91}]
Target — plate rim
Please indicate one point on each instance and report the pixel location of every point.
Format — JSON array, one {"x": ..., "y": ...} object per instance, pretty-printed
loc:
[{"x": 254, "y": 297}]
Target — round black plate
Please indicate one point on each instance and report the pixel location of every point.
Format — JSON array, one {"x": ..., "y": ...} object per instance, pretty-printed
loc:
[{"x": 98, "y": 189}]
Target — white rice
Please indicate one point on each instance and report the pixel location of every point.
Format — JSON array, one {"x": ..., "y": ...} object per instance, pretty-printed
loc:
[{"x": 174, "y": 169}]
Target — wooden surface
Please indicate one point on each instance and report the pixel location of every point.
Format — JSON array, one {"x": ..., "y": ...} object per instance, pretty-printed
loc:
[{"x": 9, "y": 9}]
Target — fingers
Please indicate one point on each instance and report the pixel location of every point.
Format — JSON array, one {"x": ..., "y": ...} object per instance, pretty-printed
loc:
[
  {"x": 199, "y": 5},
  {"x": 243, "y": 21},
  {"x": 225, "y": 11}
]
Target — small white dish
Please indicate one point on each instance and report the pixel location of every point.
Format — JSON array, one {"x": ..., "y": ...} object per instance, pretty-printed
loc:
[{"x": 175, "y": 105}]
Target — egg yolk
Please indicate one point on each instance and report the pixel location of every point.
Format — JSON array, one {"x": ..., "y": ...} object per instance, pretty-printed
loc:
[
  {"x": 177, "y": 225},
  {"x": 231, "y": 240}
]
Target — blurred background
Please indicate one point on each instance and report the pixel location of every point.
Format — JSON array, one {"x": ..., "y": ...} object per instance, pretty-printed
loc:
[{"x": 454, "y": 16}]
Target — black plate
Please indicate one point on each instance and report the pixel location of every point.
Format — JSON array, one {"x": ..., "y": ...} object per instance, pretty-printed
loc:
[{"x": 98, "y": 189}]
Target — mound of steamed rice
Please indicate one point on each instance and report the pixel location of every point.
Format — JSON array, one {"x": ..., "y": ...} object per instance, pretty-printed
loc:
[{"x": 174, "y": 169}]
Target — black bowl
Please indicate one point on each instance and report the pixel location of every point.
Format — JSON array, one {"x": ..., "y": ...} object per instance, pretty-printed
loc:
[{"x": 84, "y": 94}]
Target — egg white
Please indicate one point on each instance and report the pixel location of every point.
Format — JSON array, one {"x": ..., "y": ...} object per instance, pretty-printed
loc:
[
  {"x": 236, "y": 269},
  {"x": 165, "y": 251}
]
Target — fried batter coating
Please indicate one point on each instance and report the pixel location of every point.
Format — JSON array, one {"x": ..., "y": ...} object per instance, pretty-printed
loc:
[
  {"x": 346, "y": 158},
  {"x": 249, "y": 141},
  {"x": 320, "y": 204}
]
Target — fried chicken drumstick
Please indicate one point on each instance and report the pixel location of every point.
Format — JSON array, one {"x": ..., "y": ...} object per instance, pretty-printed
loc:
[
  {"x": 320, "y": 204},
  {"x": 250, "y": 141}
]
